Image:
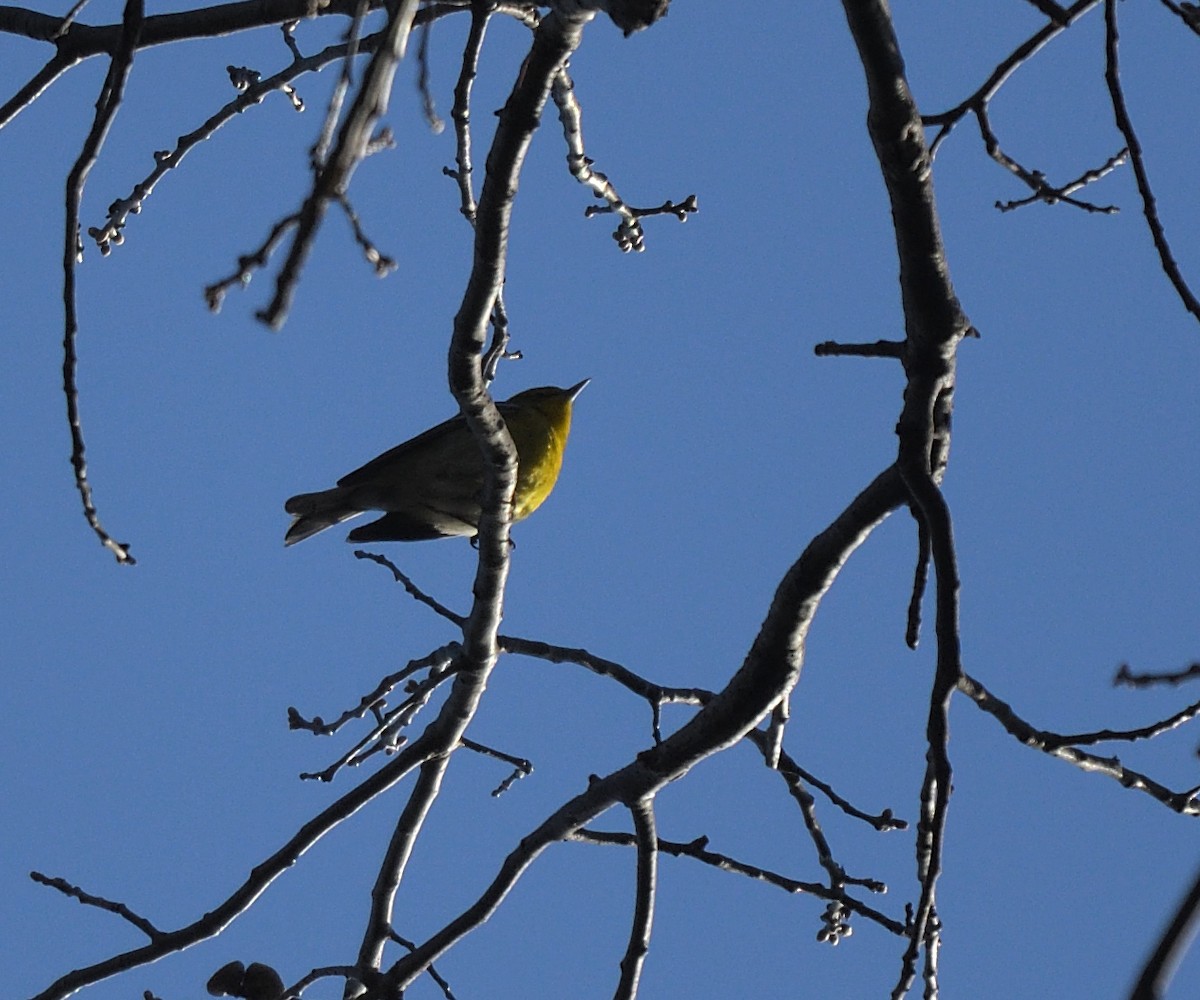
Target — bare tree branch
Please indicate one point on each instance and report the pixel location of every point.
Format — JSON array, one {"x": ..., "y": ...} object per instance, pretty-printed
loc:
[
  {"x": 1125, "y": 675},
  {"x": 391, "y": 871},
  {"x": 1176, "y": 938},
  {"x": 333, "y": 177},
  {"x": 1183, "y": 802},
  {"x": 987, "y": 90},
  {"x": 107, "y": 105},
  {"x": 698, "y": 850},
  {"x": 1112, "y": 76},
  {"x": 643, "y": 910}
]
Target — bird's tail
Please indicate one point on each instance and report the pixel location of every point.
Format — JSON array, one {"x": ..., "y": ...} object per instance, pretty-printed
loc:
[{"x": 314, "y": 512}]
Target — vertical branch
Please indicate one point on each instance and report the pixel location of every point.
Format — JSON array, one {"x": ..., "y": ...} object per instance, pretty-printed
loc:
[
  {"x": 936, "y": 787},
  {"x": 643, "y": 911},
  {"x": 934, "y": 324},
  {"x": 481, "y": 12},
  {"x": 554, "y": 40},
  {"x": 391, "y": 871},
  {"x": 320, "y": 148},
  {"x": 107, "y": 105}
]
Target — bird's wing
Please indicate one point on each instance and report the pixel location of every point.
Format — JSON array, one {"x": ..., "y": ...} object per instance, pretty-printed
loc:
[
  {"x": 426, "y": 445},
  {"x": 382, "y": 465}
]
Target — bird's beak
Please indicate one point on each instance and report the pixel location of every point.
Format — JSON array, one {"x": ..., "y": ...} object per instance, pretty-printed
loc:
[{"x": 576, "y": 389}]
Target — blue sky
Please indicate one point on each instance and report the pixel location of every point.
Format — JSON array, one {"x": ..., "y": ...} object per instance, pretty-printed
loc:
[{"x": 146, "y": 755}]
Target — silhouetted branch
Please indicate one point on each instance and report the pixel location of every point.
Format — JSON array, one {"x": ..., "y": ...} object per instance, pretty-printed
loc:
[
  {"x": 1035, "y": 180},
  {"x": 698, "y": 851},
  {"x": 353, "y": 141},
  {"x": 879, "y": 349},
  {"x": 215, "y": 293},
  {"x": 107, "y": 106},
  {"x": 1052, "y": 195},
  {"x": 1126, "y": 676},
  {"x": 522, "y": 768},
  {"x": 100, "y": 903},
  {"x": 40, "y": 80},
  {"x": 1112, "y": 76},
  {"x": 912, "y": 632},
  {"x": 164, "y": 162},
  {"x": 1183, "y": 802},
  {"x": 996, "y": 79},
  {"x": 771, "y": 668},
  {"x": 433, "y": 973},
  {"x": 460, "y": 113},
  {"x": 1176, "y": 938},
  {"x": 1189, "y": 13}
]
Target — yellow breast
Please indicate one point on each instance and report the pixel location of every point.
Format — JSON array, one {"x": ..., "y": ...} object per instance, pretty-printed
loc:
[{"x": 540, "y": 434}]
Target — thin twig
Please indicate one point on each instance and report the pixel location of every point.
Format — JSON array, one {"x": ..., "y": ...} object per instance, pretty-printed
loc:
[
  {"x": 251, "y": 94},
  {"x": 1035, "y": 180},
  {"x": 629, "y": 233},
  {"x": 433, "y": 972},
  {"x": 1184, "y": 802},
  {"x": 107, "y": 105},
  {"x": 333, "y": 112},
  {"x": 460, "y": 113},
  {"x": 353, "y": 140},
  {"x": 879, "y": 349},
  {"x": 697, "y": 850},
  {"x": 69, "y": 18},
  {"x": 522, "y": 768},
  {"x": 1112, "y": 76},
  {"x": 437, "y": 661},
  {"x": 1004, "y": 69},
  {"x": 1126, "y": 676},
  {"x": 214, "y": 294},
  {"x": 413, "y": 590},
  {"x": 1052, "y": 195},
  {"x": 111, "y": 906},
  {"x": 912, "y": 631},
  {"x": 428, "y": 104}
]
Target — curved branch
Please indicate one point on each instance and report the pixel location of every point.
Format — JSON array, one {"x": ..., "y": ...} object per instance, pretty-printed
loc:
[
  {"x": 107, "y": 105},
  {"x": 1112, "y": 76}
]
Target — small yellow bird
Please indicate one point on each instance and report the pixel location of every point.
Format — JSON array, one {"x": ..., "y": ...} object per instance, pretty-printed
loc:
[{"x": 432, "y": 485}]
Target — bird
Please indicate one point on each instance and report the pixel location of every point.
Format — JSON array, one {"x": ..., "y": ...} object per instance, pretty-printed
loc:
[{"x": 431, "y": 486}]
